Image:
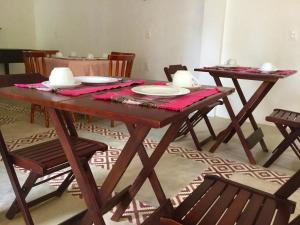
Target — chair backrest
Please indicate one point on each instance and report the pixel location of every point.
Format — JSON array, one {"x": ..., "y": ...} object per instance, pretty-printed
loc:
[
  {"x": 34, "y": 61},
  {"x": 169, "y": 71},
  {"x": 120, "y": 65}
]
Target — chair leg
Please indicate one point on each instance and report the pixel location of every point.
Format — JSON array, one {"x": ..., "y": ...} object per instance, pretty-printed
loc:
[
  {"x": 20, "y": 198},
  {"x": 112, "y": 123},
  {"x": 32, "y": 111},
  {"x": 194, "y": 136},
  {"x": 47, "y": 118},
  {"x": 65, "y": 184},
  {"x": 209, "y": 126},
  {"x": 295, "y": 221},
  {"x": 27, "y": 186},
  {"x": 281, "y": 148}
]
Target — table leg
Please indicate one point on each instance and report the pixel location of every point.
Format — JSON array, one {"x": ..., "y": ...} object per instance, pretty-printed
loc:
[
  {"x": 82, "y": 173},
  {"x": 160, "y": 195},
  {"x": 148, "y": 168},
  {"x": 251, "y": 118},
  {"x": 233, "y": 125},
  {"x": 250, "y": 106}
]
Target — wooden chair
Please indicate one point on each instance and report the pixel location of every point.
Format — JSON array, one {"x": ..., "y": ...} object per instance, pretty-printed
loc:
[
  {"x": 288, "y": 123},
  {"x": 120, "y": 65},
  {"x": 194, "y": 118},
  {"x": 42, "y": 160},
  {"x": 218, "y": 201},
  {"x": 34, "y": 63},
  {"x": 130, "y": 63}
]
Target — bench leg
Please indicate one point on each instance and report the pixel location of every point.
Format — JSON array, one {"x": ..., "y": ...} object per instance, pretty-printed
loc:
[{"x": 282, "y": 147}]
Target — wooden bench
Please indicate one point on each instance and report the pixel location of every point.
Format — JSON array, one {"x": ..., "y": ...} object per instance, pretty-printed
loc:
[{"x": 288, "y": 123}]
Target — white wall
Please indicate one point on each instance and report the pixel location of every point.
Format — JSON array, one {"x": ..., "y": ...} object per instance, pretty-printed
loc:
[
  {"x": 174, "y": 27},
  {"x": 257, "y": 31},
  {"x": 72, "y": 25},
  {"x": 18, "y": 30}
]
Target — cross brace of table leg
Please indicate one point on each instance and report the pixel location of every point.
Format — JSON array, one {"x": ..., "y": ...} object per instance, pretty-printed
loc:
[
  {"x": 240, "y": 118},
  {"x": 251, "y": 105},
  {"x": 251, "y": 118},
  {"x": 148, "y": 171}
]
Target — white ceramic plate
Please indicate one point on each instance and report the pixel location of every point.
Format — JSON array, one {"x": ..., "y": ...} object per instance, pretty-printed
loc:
[
  {"x": 96, "y": 79},
  {"x": 160, "y": 90},
  {"x": 171, "y": 85},
  {"x": 47, "y": 84}
]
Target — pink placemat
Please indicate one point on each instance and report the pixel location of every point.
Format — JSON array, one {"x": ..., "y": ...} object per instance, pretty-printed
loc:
[
  {"x": 35, "y": 85},
  {"x": 87, "y": 90},
  {"x": 252, "y": 70},
  {"x": 174, "y": 104}
]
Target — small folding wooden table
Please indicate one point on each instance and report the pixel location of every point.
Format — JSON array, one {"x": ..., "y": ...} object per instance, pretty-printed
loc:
[{"x": 268, "y": 81}]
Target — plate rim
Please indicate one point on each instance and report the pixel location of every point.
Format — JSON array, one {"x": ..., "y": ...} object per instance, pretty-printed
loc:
[
  {"x": 187, "y": 91},
  {"x": 78, "y": 79},
  {"x": 170, "y": 84},
  {"x": 47, "y": 84}
]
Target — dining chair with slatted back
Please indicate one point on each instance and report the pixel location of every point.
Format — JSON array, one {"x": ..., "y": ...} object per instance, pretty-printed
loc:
[
  {"x": 46, "y": 160},
  {"x": 194, "y": 118},
  {"x": 130, "y": 65},
  {"x": 35, "y": 63},
  {"x": 218, "y": 201},
  {"x": 120, "y": 65}
]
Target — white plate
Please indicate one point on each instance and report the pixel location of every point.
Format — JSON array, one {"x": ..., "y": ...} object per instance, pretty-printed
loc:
[
  {"x": 160, "y": 90},
  {"x": 96, "y": 79},
  {"x": 171, "y": 85},
  {"x": 47, "y": 84}
]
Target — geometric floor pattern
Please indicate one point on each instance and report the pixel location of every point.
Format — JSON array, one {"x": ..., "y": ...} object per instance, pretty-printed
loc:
[{"x": 137, "y": 210}]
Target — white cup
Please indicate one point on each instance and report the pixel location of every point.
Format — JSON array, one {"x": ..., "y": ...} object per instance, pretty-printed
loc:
[
  {"x": 231, "y": 62},
  {"x": 184, "y": 78},
  {"x": 59, "y": 54},
  {"x": 90, "y": 56},
  {"x": 267, "y": 67},
  {"x": 61, "y": 76}
]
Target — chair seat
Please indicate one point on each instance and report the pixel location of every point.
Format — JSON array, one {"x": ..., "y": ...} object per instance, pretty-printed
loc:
[
  {"x": 41, "y": 158},
  {"x": 218, "y": 201},
  {"x": 288, "y": 118},
  {"x": 229, "y": 203}
]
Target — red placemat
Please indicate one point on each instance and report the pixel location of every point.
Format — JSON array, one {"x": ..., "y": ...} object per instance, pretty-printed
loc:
[
  {"x": 174, "y": 104},
  {"x": 251, "y": 70},
  {"x": 84, "y": 89},
  {"x": 87, "y": 90}
]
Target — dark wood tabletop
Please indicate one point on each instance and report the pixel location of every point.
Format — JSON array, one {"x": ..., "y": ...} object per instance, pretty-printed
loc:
[
  {"x": 123, "y": 112},
  {"x": 242, "y": 75}
]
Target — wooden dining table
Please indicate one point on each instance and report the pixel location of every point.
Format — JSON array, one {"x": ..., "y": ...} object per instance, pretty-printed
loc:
[
  {"x": 268, "y": 80},
  {"x": 139, "y": 121}
]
